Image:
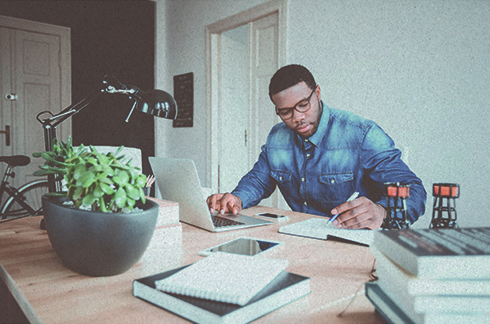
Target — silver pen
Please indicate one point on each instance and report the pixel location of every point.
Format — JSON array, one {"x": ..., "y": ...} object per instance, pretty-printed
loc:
[{"x": 351, "y": 198}]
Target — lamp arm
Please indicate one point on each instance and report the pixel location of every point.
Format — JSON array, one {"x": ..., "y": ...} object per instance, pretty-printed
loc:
[
  {"x": 49, "y": 124},
  {"x": 155, "y": 102}
]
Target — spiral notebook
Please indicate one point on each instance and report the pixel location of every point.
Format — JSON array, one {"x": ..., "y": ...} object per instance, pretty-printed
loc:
[{"x": 224, "y": 277}]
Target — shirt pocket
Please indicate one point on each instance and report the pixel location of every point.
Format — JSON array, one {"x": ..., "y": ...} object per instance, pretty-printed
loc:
[
  {"x": 286, "y": 183},
  {"x": 335, "y": 188},
  {"x": 281, "y": 177}
]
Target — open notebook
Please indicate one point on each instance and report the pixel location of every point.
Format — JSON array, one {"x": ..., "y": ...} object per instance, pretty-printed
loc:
[{"x": 317, "y": 228}]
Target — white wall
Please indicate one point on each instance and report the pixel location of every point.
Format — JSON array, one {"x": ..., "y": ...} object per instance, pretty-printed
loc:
[
  {"x": 420, "y": 68},
  {"x": 181, "y": 48}
]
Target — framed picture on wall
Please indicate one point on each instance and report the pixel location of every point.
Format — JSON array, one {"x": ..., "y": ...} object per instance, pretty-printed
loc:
[{"x": 184, "y": 96}]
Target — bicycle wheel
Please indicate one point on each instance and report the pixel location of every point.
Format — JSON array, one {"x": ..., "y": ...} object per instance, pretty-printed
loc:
[{"x": 32, "y": 192}]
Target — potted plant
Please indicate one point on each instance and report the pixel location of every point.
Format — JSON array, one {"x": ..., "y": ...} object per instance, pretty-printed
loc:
[{"x": 102, "y": 224}]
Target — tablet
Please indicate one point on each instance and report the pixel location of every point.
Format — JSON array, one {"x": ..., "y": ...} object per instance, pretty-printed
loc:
[{"x": 244, "y": 245}]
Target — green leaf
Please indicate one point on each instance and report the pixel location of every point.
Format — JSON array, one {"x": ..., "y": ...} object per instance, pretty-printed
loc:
[
  {"x": 132, "y": 192},
  {"x": 106, "y": 188},
  {"x": 119, "y": 149},
  {"x": 103, "y": 207},
  {"x": 142, "y": 195},
  {"x": 79, "y": 170},
  {"x": 89, "y": 199},
  {"x": 130, "y": 203},
  {"x": 141, "y": 180},
  {"x": 98, "y": 192},
  {"x": 120, "y": 198},
  {"x": 78, "y": 192},
  {"x": 86, "y": 179},
  {"x": 92, "y": 160},
  {"x": 121, "y": 178}
]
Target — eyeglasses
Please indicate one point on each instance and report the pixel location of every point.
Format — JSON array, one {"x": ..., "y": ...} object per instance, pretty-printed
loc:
[{"x": 302, "y": 107}]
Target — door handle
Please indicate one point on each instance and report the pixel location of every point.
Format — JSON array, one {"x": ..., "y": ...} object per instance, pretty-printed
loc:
[
  {"x": 7, "y": 134},
  {"x": 11, "y": 96}
]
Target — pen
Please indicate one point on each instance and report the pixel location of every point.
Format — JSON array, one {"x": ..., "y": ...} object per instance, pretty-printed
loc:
[{"x": 352, "y": 197}]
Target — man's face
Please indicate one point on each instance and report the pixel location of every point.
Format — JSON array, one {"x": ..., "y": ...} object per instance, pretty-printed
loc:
[{"x": 305, "y": 124}]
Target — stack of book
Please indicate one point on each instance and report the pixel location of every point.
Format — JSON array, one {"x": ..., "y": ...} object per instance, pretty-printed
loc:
[
  {"x": 432, "y": 275},
  {"x": 224, "y": 288}
]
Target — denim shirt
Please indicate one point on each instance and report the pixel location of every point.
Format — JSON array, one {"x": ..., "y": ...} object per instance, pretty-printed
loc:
[{"x": 346, "y": 154}]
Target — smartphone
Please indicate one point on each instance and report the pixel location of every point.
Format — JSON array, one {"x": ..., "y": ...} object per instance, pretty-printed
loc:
[{"x": 272, "y": 215}]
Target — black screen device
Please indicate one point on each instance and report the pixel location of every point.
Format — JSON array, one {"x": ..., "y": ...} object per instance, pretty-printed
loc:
[{"x": 271, "y": 215}]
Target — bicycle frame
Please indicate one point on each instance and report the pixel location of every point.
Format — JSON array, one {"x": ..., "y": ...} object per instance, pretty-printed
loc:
[{"x": 12, "y": 192}]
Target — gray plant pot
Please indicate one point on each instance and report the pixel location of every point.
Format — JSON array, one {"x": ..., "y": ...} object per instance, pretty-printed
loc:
[{"x": 96, "y": 243}]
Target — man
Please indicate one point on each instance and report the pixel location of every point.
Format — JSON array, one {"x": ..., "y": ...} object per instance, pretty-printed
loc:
[{"x": 319, "y": 156}]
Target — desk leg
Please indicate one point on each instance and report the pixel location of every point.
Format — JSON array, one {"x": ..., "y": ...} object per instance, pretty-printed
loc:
[{"x": 9, "y": 309}]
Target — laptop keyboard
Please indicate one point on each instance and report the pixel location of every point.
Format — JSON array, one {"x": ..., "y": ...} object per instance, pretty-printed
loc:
[{"x": 221, "y": 222}]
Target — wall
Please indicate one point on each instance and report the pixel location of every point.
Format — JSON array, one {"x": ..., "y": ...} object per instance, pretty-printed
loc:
[
  {"x": 105, "y": 39},
  {"x": 180, "y": 48},
  {"x": 417, "y": 67}
]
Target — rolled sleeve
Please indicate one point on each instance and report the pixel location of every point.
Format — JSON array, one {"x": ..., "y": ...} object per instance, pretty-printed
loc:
[
  {"x": 257, "y": 183},
  {"x": 382, "y": 163}
]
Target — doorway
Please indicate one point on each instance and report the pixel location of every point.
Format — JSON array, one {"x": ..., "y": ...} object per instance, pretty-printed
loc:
[
  {"x": 243, "y": 52},
  {"x": 35, "y": 74}
]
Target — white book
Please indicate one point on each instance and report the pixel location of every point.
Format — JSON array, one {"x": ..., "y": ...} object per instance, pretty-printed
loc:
[
  {"x": 456, "y": 253},
  {"x": 394, "y": 282},
  {"x": 394, "y": 275},
  {"x": 284, "y": 289},
  {"x": 321, "y": 228},
  {"x": 392, "y": 311},
  {"x": 224, "y": 277}
]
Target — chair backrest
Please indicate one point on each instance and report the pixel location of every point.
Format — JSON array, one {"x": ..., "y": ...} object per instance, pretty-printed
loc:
[{"x": 128, "y": 152}]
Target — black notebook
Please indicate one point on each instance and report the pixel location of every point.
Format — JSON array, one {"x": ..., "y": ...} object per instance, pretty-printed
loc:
[{"x": 285, "y": 288}]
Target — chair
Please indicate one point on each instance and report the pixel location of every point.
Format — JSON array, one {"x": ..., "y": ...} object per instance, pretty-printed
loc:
[{"x": 128, "y": 152}]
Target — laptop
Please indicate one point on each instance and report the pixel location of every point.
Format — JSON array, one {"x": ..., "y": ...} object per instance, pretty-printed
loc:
[{"x": 178, "y": 181}]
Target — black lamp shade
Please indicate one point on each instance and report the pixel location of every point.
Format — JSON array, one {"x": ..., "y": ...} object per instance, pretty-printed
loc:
[{"x": 157, "y": 103}]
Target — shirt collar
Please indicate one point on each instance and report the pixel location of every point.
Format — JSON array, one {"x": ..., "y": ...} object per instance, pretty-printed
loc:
[{"x": 316, "y": 138}]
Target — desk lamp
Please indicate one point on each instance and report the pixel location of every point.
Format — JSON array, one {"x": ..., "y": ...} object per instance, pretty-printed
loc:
[{"x": 154, "y": 102}]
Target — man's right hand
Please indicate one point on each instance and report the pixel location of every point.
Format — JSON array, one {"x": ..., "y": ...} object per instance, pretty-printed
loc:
[{"x": 224, "y": 203}]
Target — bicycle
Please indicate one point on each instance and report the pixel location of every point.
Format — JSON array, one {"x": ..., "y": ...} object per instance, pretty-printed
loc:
[{"x": 24, "y": 201}]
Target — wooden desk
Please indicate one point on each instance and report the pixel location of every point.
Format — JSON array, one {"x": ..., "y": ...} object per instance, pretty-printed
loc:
[{"x": 48, "y": 292}]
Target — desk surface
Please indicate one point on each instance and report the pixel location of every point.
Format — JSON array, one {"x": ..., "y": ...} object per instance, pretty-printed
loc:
[{"x": 50, "y": 293}]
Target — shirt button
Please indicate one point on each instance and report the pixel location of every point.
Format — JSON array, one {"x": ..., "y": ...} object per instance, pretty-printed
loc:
[
  {"x": 332, "y": 181},
  {"x": 303, "y": 179},
  {"x": 280, "y": 178},
  {"x": 306, "y": 141},
  {"x": 308, "y": 155},
  {"x": 305, "y": 203}
]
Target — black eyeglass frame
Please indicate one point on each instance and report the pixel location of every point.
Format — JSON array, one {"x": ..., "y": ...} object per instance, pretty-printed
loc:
[{"x": 290, "y": 110}]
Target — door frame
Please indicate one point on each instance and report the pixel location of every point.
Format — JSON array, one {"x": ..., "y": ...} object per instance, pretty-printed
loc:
[
  {"x": 213, "y": 43},
  {"x": 64, "y": 55}
]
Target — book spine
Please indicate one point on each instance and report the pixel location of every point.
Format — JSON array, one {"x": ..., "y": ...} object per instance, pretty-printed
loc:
[
  {"x": 270, "y": 303},
  {"x": 175, "y": 305},
  {"x": 426, "y": 259},
  {"x": 204, "y": 294},
  {"x": 385, "y": 306},
  {"x": 396, "y": 252}
]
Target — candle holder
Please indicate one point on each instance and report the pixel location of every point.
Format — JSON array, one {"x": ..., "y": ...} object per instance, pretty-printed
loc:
[
  {"x": 397, "y": 217},
  {"x": 444, "y": 211}
]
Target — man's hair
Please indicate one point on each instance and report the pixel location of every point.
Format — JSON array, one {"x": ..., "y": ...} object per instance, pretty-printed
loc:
[{"x": 288, "y": 76}]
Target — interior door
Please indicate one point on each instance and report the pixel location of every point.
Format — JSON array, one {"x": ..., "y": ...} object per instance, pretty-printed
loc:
[
  {"x": 244, "y": 51},
  {"x": 34, "y": 78},
  {"x": 249, "y": 58},
  {"x": 234, "y": 107}
]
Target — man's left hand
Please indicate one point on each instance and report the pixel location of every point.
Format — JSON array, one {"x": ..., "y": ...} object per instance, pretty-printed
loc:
[{"x": 359, "y": 213}]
